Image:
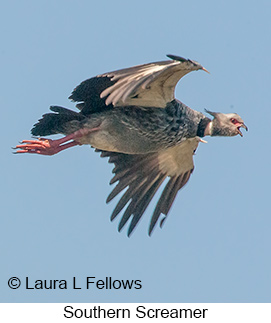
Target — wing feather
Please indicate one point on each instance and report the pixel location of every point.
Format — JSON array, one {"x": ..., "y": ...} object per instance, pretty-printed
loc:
[
  {"x": 148, "y": 85},
  {"x": 142, "y": 175},
  {"x": 167, "y": 198}
]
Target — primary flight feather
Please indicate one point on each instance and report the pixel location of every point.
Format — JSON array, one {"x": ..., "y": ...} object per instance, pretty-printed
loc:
[{"x": 132, "y": 117}]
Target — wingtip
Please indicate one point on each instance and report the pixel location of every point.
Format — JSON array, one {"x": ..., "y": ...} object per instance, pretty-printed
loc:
[
  {"x": 162, "y": 222},
  {"x": 182, "y": 59},
  {"x": 150, "y": 231}
]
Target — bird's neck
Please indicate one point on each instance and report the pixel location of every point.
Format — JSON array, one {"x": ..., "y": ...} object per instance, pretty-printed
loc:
[
  {"x": 215, "y": 129},
  {"x": 209, "y": 129},
  {"x": 204, "y": 127}
]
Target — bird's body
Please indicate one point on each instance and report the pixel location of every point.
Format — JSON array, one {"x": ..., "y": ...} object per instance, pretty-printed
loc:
[
  {"x": 132, "y": 117},
  {"x": 136, "y": 130}
]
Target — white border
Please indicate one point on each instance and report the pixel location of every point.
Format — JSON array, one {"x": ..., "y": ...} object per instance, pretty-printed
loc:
[{"x": 217, "y": 313}]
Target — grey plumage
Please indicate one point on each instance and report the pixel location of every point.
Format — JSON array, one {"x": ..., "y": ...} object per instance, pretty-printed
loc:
[{"x": 132, "y": 117}]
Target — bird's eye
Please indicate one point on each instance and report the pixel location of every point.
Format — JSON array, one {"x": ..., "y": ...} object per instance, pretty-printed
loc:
[{"x": 234, "y": 121}]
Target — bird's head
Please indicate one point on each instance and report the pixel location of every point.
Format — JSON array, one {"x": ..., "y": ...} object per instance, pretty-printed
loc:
[{"x": 225, "y": 124}]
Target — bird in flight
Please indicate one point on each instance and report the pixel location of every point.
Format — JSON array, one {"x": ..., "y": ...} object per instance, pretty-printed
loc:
[{"x": 132, "y": 117}]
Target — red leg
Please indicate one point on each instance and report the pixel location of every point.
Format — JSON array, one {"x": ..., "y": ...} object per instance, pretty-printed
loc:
[{"x": 50, "y": 147}]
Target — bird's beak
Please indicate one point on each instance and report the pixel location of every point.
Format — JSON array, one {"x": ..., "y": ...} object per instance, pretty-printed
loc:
[{"x": 242, "y": 125}]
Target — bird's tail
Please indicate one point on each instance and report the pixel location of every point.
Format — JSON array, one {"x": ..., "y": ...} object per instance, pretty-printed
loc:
[{"x": 54, "y": 123}]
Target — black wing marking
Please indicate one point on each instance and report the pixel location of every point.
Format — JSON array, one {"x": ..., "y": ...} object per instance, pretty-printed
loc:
[{"x": 88, "y": 94}]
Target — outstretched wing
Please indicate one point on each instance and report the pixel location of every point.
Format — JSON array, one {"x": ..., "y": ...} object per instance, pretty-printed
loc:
[
  {"x": 142, "y": 175},
  {"x": 148, "y": 85}
]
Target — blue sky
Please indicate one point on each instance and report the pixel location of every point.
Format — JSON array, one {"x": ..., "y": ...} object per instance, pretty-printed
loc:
[{"x": 215, "y": 244}]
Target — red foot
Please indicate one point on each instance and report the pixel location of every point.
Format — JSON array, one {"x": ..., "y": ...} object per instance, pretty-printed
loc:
[
  {"x": 43, "y": 146},
  {"x": 50, "y": 147}
]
